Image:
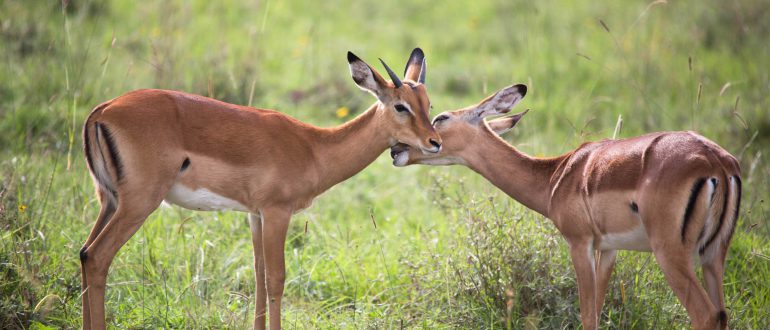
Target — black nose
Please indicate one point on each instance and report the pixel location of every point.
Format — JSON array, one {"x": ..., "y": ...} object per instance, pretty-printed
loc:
[{"x": 434, "y": 143}]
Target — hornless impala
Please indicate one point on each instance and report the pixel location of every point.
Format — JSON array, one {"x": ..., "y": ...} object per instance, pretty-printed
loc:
[
  {"x": 676, "y": 194},
  {"x": 148, "y": 146}
]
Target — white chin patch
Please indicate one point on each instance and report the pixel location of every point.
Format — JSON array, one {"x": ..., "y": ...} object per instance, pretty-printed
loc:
[{"x": 401, "y": 159}]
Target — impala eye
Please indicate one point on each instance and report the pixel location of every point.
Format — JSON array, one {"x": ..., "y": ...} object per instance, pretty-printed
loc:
[
  {"x": 440, "y": 118},
  {"x": 401, "y": 108}
]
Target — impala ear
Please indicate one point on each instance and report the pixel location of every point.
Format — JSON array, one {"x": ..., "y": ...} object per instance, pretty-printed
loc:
[
  {"x": 502, "y": 125},
  {"x": 416, "y": 67},
  {"x": 499, "y": 103},
  {"x": 365, "y": 77}
]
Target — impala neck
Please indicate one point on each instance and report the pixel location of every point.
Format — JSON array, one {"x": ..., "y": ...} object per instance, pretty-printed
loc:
[
  {"x": 347, "y": 149},
  {"x": 524, "y": 178}
]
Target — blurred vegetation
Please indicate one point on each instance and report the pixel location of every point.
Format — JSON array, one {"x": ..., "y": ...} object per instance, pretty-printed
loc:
[{"x": 449, "y": 250}]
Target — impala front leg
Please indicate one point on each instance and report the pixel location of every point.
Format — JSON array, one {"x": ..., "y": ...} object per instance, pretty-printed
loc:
[
  {"x": 255, "y": 224},
  {"x": 604, "y": 266},
  {"x": 275, "y": 222},
  {"x": 583, "y": 259}
]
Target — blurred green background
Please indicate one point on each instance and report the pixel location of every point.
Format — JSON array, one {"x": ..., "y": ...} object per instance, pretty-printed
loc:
[{"x": 448, "y": 249}]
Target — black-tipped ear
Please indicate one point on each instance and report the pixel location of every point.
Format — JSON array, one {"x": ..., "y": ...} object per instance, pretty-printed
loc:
[
  {"x": 365, "y": 77},
  {"x": 352, "y": 57},
  {"x": 523, "y": 90},
  {"x": 500, "y": 102},
  {"x": 502, "y": 125},
  {"x": 414, "y": 66}
]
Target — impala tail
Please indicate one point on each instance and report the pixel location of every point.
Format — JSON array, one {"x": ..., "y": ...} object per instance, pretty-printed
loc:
[
  {"x": 723, "y": 200},
  {"x": 102, "y": 154}
]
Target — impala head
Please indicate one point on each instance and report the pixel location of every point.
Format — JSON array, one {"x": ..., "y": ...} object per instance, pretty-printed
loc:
[
  {"x": 460, "y": 129},
  {"x": 403, "y": 103}
]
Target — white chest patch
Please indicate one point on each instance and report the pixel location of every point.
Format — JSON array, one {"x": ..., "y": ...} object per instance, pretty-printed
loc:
[
  {"x": 636, "y": 239},
  {"x": 201, "y": 200}
]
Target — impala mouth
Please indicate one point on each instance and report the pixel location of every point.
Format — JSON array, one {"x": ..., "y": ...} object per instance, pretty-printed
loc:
[{"x": 400, "y": 154}]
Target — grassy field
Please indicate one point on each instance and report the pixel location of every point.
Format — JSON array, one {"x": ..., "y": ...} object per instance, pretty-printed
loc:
[{"x": 417, "y": 247}]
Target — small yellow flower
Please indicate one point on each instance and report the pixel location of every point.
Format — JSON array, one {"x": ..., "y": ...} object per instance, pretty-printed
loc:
[
  {"x": 342, "y": 112},
  {"x": 22, "y": 208}
]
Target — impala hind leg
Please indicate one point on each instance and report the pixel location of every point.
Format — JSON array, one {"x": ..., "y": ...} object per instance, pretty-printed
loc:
[
  {"x": 255, "y": 224},
  {"x": 105, "y": 213},
  {"x": 275, "y": 223},
  {"x": 583, "y": 260},
  {"x": 713, "y": 277},
  {"x": 680, "y": 275},
  {"x": 132, "y": 210}
]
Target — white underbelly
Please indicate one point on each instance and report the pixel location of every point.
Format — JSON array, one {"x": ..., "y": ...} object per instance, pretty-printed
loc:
[
  {"x": 635, "y": 239},
  {"x": 201, "y": 200}
]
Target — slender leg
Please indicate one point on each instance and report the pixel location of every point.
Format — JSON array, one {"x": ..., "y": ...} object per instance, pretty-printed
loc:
[
  {"x": 131, "y": 212},
  {"x": 583, "y": 259},
  {"x": 713, "y": 276},
  {"x": 603, "y": 273},
  {"x": 275, "y": 222},
  {"x": 105, "y": 213},
  {"x": 255, "y": 224},
  {"x": 679, "y": 272}
]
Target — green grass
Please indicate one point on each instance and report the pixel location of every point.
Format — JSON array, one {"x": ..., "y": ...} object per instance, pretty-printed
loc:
[{"x": 448, "y": 249}]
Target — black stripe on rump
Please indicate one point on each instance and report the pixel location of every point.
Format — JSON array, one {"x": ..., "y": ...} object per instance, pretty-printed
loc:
[
  {"x": 87, "y": 148},
  {"x": 691, "y": 203},
  {"x": 113, "y": 149},
  {"x": 86, "y": 140}
]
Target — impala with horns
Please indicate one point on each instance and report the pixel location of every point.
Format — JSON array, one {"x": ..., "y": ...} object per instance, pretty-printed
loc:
[
  {"x": 148, "y": 146},
  {"x": 675, "y": 194}
]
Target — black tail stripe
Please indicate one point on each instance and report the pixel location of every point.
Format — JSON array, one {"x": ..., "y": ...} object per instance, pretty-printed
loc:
[
  {"x": 112, "y": 148},
  {"x": 738, "y": 189},
  {"x": 721, "y": 219},
  {"x": 691, "y": 204}
]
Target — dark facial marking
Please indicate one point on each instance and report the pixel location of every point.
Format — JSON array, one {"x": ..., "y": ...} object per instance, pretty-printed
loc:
[
  {"x": 634, "y": 207},
  {"x": 83, "y": 255}
]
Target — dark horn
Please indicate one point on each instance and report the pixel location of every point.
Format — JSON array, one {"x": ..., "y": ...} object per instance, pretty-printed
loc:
[
  {"x": 392, "y": 74},
  {"x": 423, "y": 69}
]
